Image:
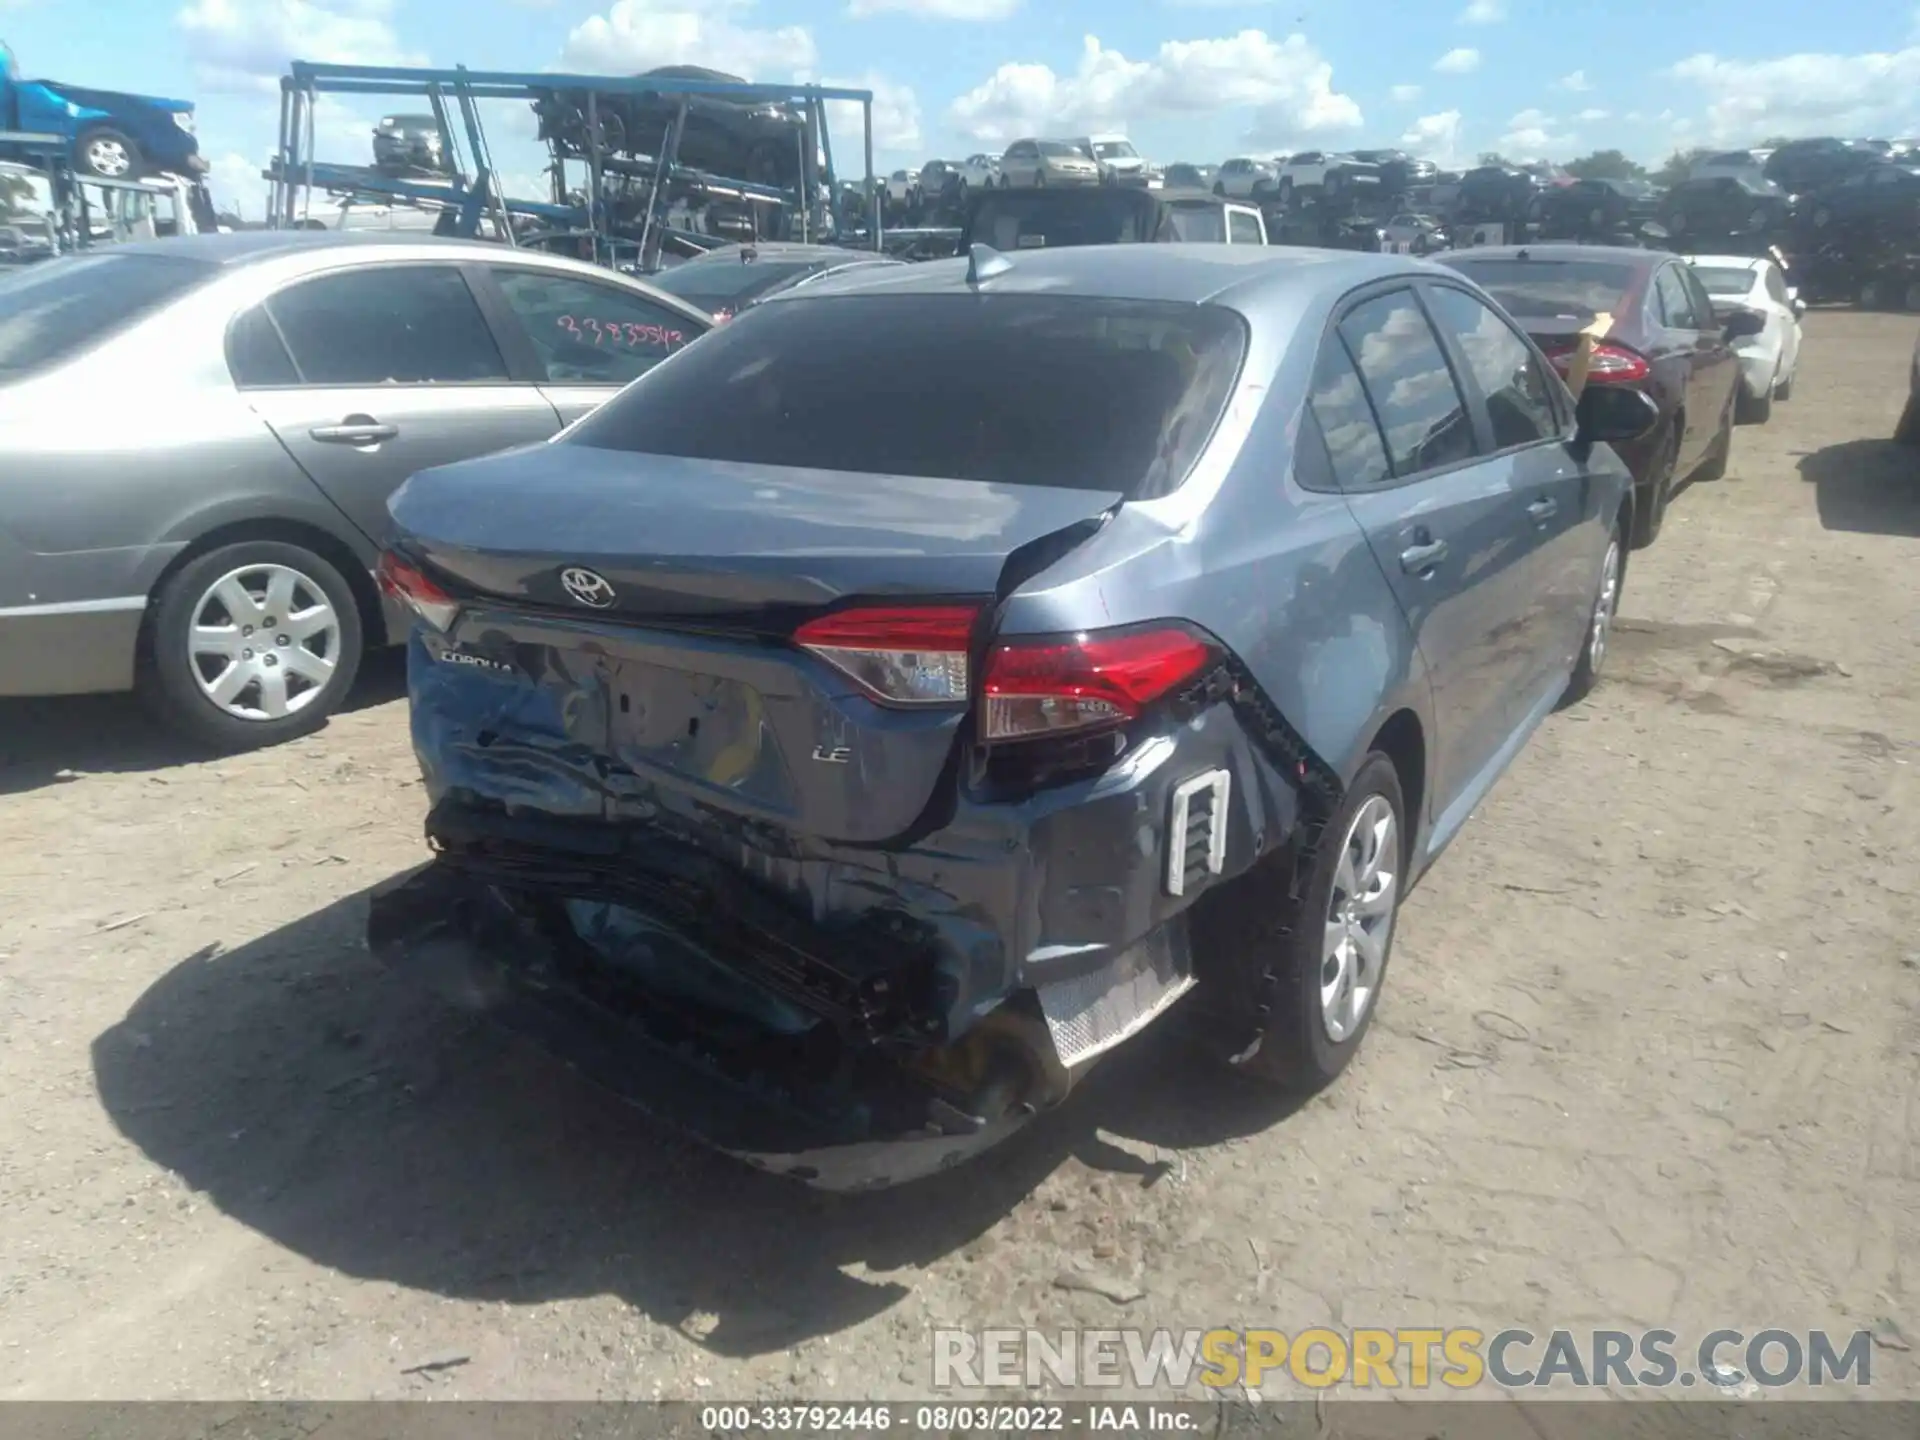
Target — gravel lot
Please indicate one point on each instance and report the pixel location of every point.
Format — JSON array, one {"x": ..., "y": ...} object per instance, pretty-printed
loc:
[{"x": 1647, "y": 1057}]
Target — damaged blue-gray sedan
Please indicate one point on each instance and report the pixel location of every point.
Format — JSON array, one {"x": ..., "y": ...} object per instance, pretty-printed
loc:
[{"x": 902, "y": 696}]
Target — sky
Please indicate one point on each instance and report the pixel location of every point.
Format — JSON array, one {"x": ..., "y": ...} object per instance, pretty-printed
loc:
[{"x": 1196, "y": 80}]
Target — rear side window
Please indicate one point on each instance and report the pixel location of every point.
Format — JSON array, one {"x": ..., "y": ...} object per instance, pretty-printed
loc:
[
  {"x": 1242, "y": 228},
  {"x": 1077, "y": 393},
  {"x": 1407, "y": 378},
  {"x": 1339, "y": 405},
  {"x": 57, "y": 308},
  {"x": 1512, "y": 378},
  {"x": 388, "y": 325},
  {"x": 255, "y": 355},
  {"x": 1675, "y": 300},
  {"x": 588, "y": 334}
]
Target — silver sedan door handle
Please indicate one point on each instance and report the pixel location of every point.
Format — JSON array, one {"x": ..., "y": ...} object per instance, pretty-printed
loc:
[
  {"x": 1419, "y": 559},
  {"x": 354, "y": 430}
]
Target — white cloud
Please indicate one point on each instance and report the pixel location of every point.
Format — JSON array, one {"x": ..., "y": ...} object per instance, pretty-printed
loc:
[
  {"x": 896, "y": 121},
  {"x": 239, "y": 46},
  {"x": 935, "y": 9},
  {"x": 1406, "y": 94},
  {"x": 1435, "y": 137},
  {"x": 1458, "y": 61},
  {"x": 1285, "y": 82},
  {"x": 1589, "y": 116},
  {"x": 1576, "y": 81},
  {"x": 640, "y": 34},
  {"x": 1806, "y": 94},
  {"x": 1534, "y": 135},
  {"x": 235, "y": 184},
  {"x": 1484, "y": 12}
]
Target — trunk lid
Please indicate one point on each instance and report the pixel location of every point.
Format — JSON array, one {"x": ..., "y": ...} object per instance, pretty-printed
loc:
[{"x": 651, "y": 601}]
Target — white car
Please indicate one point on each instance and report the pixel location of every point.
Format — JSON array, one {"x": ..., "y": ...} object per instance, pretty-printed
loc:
[
  {"x": 1120, "y": 163},
  {"x": 903, "y": 187},
  {"x": 1307, "y": 170},
  {"x": 980, "y": 172},
  {"x": 1244, "y": 176},
  {"x": 1769, "y": 360}
]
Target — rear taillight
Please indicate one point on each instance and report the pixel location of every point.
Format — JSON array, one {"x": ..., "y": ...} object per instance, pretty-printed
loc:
[
  {"x": 405, "y": 582},
  {"x": 1611, "y": 365},
  {"x": 899, "y": 655},
  {"x": 1035, "y": 688}
]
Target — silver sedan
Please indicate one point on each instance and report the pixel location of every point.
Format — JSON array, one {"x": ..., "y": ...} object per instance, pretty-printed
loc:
[{"x": 198, "y": 437}]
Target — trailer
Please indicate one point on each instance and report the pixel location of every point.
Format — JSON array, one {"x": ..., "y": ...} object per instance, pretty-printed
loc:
[
  {"x": 84, "y": 209},
  {"x": 623, "y": 205}
]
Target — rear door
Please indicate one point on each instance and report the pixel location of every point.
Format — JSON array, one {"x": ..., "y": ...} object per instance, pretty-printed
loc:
[
  {"x": 1525, "y": 425},
  {"x": 1444, "y": 525},
  {"x": 394, "y": 369},
  {"x": 586, "y": 339},
  {"x": 1681, "y": 347}
]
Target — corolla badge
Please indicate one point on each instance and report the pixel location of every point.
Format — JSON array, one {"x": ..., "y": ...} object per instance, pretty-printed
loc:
[{"x": 588, "y": 588}]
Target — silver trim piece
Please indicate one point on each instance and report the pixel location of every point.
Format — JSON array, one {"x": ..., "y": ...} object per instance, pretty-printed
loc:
[
  {"x": 76, "y": 607},
  {"x": 1220, "y": 782}
]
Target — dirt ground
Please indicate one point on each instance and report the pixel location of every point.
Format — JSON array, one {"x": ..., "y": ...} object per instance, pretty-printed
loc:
[{"x": 1647, "y": 1056}]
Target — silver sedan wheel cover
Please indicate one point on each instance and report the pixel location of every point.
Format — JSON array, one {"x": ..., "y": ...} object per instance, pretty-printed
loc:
[
  {"x": 264, "y": 642},
  {"x": 108, "y": 157},
  {"x": 1605, "y": 604},
  {"x": 1360, "y": 914}
]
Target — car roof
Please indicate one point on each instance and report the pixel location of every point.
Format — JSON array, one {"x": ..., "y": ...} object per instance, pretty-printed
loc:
[
  {"x": 782, "y": 250},
  {"x": 242, "y": 247},
  {"x": 1187, "y": 272},
  {"x": 1746, "y": 262},
  {"x": 1617, "y": 254}
]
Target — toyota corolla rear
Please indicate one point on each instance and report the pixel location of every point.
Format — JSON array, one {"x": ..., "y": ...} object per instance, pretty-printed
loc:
[{"x": 746, "y": 797}]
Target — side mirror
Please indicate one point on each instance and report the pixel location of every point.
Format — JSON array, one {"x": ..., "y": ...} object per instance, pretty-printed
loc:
[
  {"x": 1742, "y": 323},
  {"x": 1614, "y": 414}
]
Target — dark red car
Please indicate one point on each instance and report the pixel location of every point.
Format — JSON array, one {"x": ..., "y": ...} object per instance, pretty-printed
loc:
[{"x": 1665, "y": 339}]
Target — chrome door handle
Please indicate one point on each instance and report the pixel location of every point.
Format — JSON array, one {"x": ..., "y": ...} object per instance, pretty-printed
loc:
[
  {"x": 1419, "y": 559},
  {"x": 354, "y": 432},
  {"x": 1545, "y": 508}
]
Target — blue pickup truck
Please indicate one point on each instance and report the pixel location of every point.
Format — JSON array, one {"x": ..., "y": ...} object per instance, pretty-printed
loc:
[{"x": 111, "y": 134}]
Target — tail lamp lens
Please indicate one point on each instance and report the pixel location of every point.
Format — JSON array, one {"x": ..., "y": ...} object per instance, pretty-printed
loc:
[
  {"x": 1611, "y": 365},
  {"x": 899, "y": 655},
  {"x": 1091, "y": 681},
  {"x": 405, "y": 583}
]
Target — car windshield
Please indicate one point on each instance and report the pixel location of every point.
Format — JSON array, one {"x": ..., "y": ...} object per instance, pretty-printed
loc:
[
  {"x": 1011, "y": 220},
  {"x": 1114, "y": 150},
  {"x": 1542, "y": 289},
  {"x": 728, "y": 281},
  {"x": 1062, "y": 391},
  {"x": 1725, "y": 279},
  {"x": 56, "y": 308},
  {"x": 1059, "y": 147}
]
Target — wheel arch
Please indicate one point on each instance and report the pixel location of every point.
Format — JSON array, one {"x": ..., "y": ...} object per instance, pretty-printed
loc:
[
  {"x": 1402, "y": 738},
  {"x": 307, "y": 535}
]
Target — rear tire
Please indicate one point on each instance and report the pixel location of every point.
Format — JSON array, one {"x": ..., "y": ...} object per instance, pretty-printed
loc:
[
  {"x": 1606, "y": 605},
  {"x": 1714, "y": 467},
  {"x": 1752, "y": 409},
  {"x": 1650, "y": 511},
  {"x": 1784, "y": 390},
  {"x": 1907, "y": 432},
  {"x": 294, "y": 645},
  {"x": 1329, "y": 967},
  {"x": 108, "y": 153}
]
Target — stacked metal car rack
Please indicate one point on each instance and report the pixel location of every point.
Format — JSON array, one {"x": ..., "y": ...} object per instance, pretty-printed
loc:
[
  {"x": 469, "y": 192},
  {"x": 118, "y": 210}
]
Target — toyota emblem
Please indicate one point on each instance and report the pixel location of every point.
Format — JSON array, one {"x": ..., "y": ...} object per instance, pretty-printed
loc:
[{"x": 588, "y": 588}]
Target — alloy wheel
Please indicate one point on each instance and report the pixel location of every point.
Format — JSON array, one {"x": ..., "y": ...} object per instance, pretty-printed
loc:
[
  {"x": 107, "y": 156},
  {"x": 264, "y": 642},
  {"x": 1359, "y": 922},
  {"x": 1605, "y": 605}
]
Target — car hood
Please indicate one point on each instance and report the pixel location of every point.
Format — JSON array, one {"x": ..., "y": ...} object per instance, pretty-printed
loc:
[{"x": 109, "y": 99}]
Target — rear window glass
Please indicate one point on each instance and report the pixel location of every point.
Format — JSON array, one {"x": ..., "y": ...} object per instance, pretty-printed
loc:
[
  {"x": 1550, "y": 289},
  {"x": 1725, "y": 279},
  {"x": 1070, "y": 392},
  {"x": 57, "y": 308},
  {"x": 1203, "y": 224},
  {"x": 1011, "y": 220},
  {"x": 728, "y": 281}
]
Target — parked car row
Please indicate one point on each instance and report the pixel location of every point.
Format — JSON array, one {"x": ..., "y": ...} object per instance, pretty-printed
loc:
[{"x": 842, "y": 791}]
